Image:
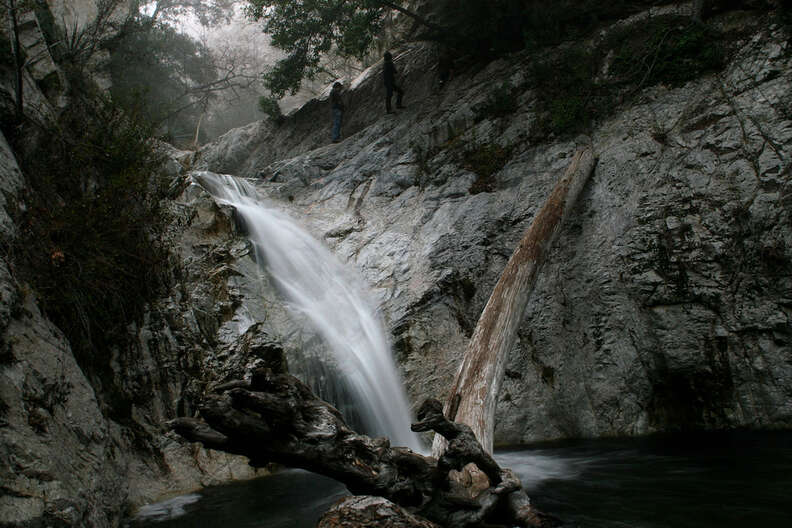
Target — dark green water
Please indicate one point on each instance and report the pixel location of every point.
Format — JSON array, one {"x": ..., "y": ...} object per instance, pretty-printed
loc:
[{"x": 712, "y": 480}]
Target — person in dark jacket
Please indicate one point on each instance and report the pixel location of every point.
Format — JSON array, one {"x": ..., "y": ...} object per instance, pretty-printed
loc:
[
  {"x": 337, "y": 103},
  {"x": 445, "y": 66},
  {"x": 389, "y": 76}
]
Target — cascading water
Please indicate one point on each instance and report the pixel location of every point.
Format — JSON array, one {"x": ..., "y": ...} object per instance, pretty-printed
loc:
[{"x": 322, "y": 290}]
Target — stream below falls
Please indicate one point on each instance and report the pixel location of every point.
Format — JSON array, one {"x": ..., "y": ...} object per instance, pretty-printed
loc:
[{"x": 692, "y": 480}]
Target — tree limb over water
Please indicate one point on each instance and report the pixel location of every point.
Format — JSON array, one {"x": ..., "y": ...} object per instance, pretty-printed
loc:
[{"x": 276, "y": 418}]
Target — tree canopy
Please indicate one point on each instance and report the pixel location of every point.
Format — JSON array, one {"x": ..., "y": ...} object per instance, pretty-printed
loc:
[
  {"x": 207, "y": 12},
  {"x": 168, "y": 83},
  {"x": 307, "y": 30},
  {"x": 480, "y": 29},
  {"x": 178, "y": 78}
]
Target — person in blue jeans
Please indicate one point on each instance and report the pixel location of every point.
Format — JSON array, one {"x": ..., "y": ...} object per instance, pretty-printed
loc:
[
  {"x": 389, "y": 76},
  {"x": 337, "y": 103}
]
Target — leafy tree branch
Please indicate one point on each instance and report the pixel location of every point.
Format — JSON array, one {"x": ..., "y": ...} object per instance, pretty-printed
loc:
[{"x": 307, "y": 31}]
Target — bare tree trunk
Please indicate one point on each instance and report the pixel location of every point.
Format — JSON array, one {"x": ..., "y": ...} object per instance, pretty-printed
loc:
[
  {"x": 16, "y": 51},
  {"x": 475, "y": 392},
  {"x": 198, "y": 131}
]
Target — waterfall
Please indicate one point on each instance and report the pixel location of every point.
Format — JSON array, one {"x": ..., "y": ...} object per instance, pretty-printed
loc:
[{"x": 333, "y": 301}]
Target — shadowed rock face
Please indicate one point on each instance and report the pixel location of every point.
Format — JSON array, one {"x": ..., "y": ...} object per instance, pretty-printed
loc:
[{"x": 66, "y": 460}]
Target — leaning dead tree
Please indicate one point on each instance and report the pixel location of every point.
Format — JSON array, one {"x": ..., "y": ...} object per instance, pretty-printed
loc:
[
  {"x": 475, "y": 391},
  {"x": 276, "y": 418}
]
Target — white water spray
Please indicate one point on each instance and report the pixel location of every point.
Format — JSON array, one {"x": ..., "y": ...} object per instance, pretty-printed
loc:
[{"x": 317, "y": 286}]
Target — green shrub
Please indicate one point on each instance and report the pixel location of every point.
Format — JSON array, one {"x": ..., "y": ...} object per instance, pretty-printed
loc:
[
  {"x": 487, "y": 28},
  {"x": 568, "y": 113},
  {"x": 568, "y": 97},
  {"x": 551, "y": 23},
  {"x": 572, "y": 94},
  {"x": 270, "y": 106},
  {"x": 89, "y": 235},
  {"x": 669, "y": 50},
  {"x": 502, "y": 103}
]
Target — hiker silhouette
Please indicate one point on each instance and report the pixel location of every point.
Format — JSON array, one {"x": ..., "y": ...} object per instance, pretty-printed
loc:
[
  {"x": 337, "y": 104},
  {"x": 389, "y": 76}
]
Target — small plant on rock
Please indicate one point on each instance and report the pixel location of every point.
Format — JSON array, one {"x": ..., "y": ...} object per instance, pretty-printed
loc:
[
  {"x": 269, "y": 105},
  {"x": 669, "y": 50},
  {"x": 569, "y": 96},
  {"x": 502, "y": 103},
  {"x": 485, "y": 160}
]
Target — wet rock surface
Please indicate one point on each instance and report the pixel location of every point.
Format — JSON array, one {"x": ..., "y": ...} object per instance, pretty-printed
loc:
[{"x": 356, "y": 512}]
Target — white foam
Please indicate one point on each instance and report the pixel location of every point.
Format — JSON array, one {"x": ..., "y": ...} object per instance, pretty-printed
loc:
[
  {"x": 165, "y": 510},
  {"x": 333, "y": 298}
]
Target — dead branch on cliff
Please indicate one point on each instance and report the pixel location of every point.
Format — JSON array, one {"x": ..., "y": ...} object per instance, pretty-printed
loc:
[
  {"x": 276, "y": 418},
  {"x": 473, "y": 397}
]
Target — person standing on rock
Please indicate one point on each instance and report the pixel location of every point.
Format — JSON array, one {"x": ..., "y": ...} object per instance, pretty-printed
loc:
[
  {"x": 445, "y": 66},
  {"x": 389, "y": 76},
  {"x": 337, "y": 103}
]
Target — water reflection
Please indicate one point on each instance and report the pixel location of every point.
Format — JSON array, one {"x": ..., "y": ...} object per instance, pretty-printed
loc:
[{"x": 706, "y": 480}]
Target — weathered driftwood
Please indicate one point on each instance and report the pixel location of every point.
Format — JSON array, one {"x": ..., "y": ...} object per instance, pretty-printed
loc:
[
  {"x": 475, "y": 391},
  {"x": 276, "y": 418}
]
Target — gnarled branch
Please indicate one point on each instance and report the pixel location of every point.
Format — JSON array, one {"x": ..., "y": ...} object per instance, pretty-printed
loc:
[{"x": 276, "y": 418}]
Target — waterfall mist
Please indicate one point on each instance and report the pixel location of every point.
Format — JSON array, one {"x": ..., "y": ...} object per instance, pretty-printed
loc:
[{"x": 359, "y": 377}]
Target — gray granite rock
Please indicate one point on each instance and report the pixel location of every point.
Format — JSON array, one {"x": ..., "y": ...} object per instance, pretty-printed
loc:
[
  {"x": 663, "y": 306},
  {"x": 363, "y": 511},
  {"x": 60, "y": 462}
]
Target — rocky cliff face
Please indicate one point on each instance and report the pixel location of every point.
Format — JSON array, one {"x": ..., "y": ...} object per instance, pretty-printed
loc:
[
  {"x": 57, "y": 463},
  {"x": 665, "y": 303},
  {"x": 67, "y": 458}
]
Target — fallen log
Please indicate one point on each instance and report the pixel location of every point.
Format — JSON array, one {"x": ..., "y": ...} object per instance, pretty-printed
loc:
[
  {"x": 276, "y": 418},
  {"x": 474, "y": 395}
]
